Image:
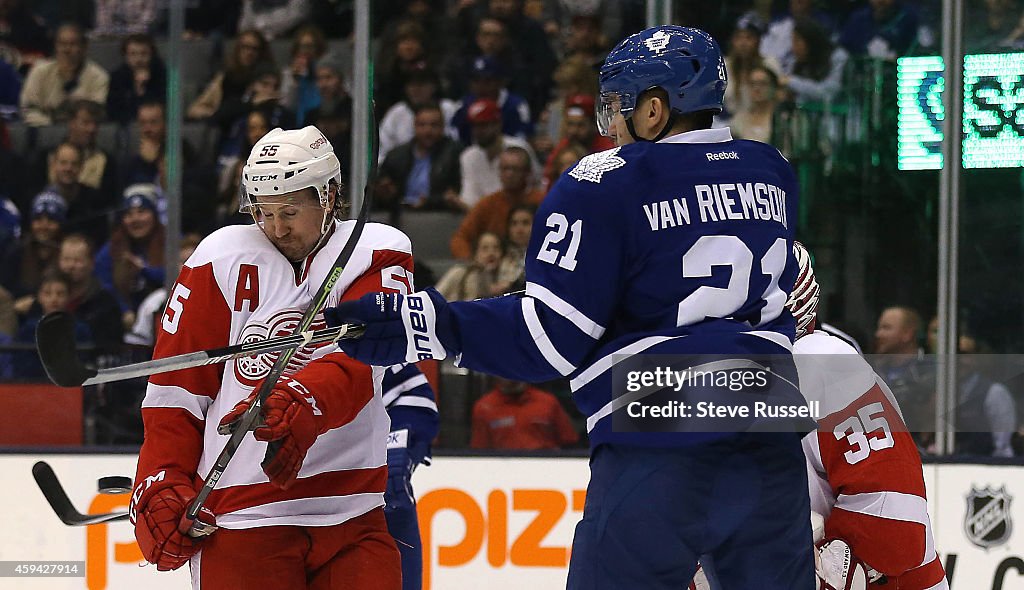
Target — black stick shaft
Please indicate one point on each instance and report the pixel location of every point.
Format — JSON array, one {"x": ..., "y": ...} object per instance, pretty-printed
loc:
[{"x": 223, "y": 354}]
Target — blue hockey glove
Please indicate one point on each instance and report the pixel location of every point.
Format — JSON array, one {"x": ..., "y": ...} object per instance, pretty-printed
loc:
[
  {"x": 403, "y": 457},
  {"x": 399, "y": 329}
]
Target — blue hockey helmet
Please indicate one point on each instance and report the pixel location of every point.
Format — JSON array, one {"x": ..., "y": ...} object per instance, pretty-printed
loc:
[{"x": 686, "y": 62}]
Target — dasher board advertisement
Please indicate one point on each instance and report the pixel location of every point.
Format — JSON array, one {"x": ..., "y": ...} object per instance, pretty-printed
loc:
[{"x": 485, "y": 522}]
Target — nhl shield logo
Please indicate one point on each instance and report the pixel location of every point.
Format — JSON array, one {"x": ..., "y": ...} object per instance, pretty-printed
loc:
[{"x": 987, "y": 522}]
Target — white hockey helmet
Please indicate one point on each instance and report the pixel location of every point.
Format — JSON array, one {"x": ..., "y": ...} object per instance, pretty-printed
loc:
[
  {"x": 282, "y": 162},
  {"x": 803, "y": 299}
]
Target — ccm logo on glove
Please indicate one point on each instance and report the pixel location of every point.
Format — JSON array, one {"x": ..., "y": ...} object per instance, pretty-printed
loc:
[{"x": 141, "y": 489}]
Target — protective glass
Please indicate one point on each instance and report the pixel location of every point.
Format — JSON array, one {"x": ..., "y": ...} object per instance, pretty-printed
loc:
[{"x": 610, "y": 104}]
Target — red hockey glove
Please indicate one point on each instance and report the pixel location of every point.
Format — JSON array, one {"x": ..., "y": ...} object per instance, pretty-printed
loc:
[
  {"x": 156, "y": 509},
  {"x": 291, "y": 422}
]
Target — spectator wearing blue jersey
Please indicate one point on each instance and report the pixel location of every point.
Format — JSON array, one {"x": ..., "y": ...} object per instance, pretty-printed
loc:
[
  {"x": 488, "y": 81},
  {"x": 629, "y": 257},
  {"x": 412, "y": 407}
]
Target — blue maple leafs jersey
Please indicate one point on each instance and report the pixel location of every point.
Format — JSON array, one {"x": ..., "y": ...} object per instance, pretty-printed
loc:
[{"x": 680, "y": 246}]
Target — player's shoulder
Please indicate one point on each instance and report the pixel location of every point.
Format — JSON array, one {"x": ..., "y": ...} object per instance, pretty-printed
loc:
[
  {"x": 380, "y": 236},
  {"x": 229, "y": 242},
  {"x": 819, "y": 342},
  {"x": 831, "y": 371},
  {"x": 603, "y": 172},
  {"x": 765, "y": 153}
]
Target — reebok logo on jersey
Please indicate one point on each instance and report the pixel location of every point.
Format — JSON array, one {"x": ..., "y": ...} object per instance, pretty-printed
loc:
[
  {"x": 591, "y": 168},
  {"x": 713, "y": 156}
]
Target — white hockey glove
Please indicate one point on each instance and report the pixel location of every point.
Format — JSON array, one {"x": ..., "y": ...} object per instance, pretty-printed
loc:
[{"x": 837, "y": 568}]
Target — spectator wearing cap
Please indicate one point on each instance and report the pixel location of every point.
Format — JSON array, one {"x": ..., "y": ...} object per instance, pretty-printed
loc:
[
  {"x": 421, "y": 87},
  {"x": 422, "y": 173},
  {"x": 490, "y": 40},
  {"x": 140, "y": 78},
  {"x": 492, "y": 212},
  {"x": 69, "y": 75},
  {"x": 745, "y": 55},
  {"x": 131, "y": 264},
  {"x": 88, "y": 209},
  {"x": 526, "y": 37},
  {"x": 488, "y": 82},
  {"x": 39, "y": 246},
  {"x": 578, "y": 127},
  {"x": 334, "y": 115},
  {"x": 479, "y": 162}
]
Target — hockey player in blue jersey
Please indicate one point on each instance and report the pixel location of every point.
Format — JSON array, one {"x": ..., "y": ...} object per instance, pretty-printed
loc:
[
  {"x": 676, "y": 242},
  {"x": 414, "y": 424}
]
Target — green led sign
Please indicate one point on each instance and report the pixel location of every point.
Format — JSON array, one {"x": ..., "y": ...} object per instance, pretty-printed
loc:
[{"x": 993, "y": 123}]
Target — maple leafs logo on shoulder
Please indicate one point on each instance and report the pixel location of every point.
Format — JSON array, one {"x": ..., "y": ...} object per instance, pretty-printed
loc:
[{"x": 591, "y": 168}]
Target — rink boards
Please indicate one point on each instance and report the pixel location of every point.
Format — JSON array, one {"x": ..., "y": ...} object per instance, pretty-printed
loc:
[{"x": 486, "y": 522}]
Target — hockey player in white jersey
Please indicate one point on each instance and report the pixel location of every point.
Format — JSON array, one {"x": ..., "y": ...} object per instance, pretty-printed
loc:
[
  {"x": 868, "y": 502},
  {"x": 301, "y": 506}
]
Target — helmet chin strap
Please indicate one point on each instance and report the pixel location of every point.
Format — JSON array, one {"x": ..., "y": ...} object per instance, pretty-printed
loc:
[{"x": 661, "y": 134}]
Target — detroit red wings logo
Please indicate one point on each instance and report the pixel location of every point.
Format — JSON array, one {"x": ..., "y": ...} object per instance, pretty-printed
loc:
[{"x": 250, "y": 369}]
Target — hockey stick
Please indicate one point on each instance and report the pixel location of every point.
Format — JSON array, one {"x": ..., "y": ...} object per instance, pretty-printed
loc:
[
  {"x": 56, "y": 343},
  {"x": 54, "y": 493}
]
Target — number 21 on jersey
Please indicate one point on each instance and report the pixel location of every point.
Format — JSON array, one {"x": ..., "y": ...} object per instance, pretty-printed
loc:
[{"x": 721, "y": 302}]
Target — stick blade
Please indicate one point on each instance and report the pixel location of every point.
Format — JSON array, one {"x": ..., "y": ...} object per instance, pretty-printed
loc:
[
  {"x": 58, "y": 499},
  {"x": 55, "y": 339},
  {"x": 48, "y": 483}
]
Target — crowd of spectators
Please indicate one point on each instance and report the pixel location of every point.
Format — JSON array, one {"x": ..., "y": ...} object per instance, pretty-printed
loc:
[{"x": 482, "y": 105}]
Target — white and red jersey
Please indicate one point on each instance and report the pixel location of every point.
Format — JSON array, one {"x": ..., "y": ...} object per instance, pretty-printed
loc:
[
  {"x": 237, "y": 287},
  {"x": 864, "y": 470}
]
